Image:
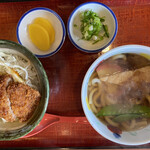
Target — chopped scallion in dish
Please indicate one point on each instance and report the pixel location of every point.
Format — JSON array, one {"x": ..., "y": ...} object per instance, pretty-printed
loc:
[{"x": 93, "y": 27}]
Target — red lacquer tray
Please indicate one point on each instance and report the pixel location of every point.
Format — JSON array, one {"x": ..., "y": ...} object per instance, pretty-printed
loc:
[
  {"x": 49, "y": 120},
  {"x": 66, "y": 69}
]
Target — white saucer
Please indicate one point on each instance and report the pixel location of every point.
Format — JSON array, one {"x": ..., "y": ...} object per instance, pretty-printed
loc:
[{"x": 56, "y": 21}]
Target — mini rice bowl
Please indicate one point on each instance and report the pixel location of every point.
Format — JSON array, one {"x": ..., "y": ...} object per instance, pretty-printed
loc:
[{"x": 127, "y": 138}]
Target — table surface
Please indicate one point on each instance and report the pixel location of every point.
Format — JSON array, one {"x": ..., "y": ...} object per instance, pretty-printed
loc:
[{"x": 66, "y": 69}]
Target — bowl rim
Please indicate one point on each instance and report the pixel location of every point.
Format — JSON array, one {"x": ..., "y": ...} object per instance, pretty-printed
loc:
[
  {"x": 84, "y": 85},
  {"x": 97, "y": 50},
  {"x": 59, "y": 18},
  {"x": 5, "y": 42}
]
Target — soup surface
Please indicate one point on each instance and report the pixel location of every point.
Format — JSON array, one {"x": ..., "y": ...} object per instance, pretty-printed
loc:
[{"x": 119, "y": 92}]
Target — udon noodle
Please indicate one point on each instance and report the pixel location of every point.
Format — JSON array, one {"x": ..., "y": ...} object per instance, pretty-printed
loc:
[{"x": 119, "y": 92}]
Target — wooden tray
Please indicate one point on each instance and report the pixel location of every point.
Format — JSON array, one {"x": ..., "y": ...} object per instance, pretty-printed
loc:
[{"x": 67, "y": 68}]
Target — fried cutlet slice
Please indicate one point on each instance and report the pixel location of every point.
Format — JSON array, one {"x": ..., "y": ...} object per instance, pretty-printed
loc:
[
  {"x": 23, "y": 100},
  {"x": 5, "y": 106}
]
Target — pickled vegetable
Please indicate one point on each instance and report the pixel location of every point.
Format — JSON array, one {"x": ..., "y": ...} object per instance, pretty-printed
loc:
[
  {"x": 39, "y": 36},
  {"x": 47, "y": 26},
  {"x": 41, "y": 33}
]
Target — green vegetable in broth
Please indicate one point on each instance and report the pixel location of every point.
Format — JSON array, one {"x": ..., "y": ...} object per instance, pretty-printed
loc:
[
  {"x": 126, "y": 117},
  {"x": 91, "y": 25},
  {"x": 124, "y": 113}
]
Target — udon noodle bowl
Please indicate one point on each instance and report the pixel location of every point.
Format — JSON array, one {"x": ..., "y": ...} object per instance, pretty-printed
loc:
[
  {"x": 119, "y": 92},
  {"x": 22, "y": 71}
]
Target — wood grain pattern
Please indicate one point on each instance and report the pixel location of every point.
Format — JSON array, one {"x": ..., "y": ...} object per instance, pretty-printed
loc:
[{"x": 67, "y": 68}]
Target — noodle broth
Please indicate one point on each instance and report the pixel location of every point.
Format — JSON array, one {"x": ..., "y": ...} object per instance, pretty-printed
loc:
[{"x": 119, "y": 92}]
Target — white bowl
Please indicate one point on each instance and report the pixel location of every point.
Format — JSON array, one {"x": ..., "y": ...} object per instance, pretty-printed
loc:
[
  {"x": 57, "y": 23},
  {"x": 75, "y": 33},
  {"x": 127, "y": 138}
]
